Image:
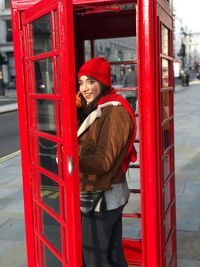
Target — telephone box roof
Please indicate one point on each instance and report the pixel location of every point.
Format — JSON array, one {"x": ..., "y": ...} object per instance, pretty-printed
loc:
[
  {"x": 101, "y": 1},
  {"x": 76, "y": 2}
]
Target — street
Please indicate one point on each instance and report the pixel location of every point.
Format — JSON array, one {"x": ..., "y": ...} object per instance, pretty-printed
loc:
[{"x": 9, "y": 134}]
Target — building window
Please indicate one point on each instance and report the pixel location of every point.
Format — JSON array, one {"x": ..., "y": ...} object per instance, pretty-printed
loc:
[
  {"x": 7, "y": 3},
  {"x": 9, "y": 31}
]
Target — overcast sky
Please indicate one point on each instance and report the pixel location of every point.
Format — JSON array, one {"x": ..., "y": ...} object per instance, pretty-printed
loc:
[{"x": 189, "y": 12}]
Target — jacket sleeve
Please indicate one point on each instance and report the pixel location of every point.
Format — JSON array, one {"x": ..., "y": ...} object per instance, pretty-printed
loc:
[{"x": 113, "y": 141}]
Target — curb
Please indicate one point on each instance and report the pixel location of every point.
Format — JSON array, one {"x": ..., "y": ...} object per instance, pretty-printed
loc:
[
  {"x": 10, "y": 156},
  {"x": 9, "y": 108}
]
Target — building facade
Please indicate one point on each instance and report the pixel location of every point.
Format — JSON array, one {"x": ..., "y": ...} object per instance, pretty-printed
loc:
[
  {"x": 190, "y": 41},
  {"x": 6, "y": 42}
]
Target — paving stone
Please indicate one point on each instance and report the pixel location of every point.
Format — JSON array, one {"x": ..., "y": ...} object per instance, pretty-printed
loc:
[
  {"x": 16, "y": 208},
  {"x": 4, "y": 203},
  {"x": 3, "y": 221},
  {"x": 193, "y": 187},
  {"x": 131, "y": 228},
  {"x": 188, "y": 225},
  {"x": 187, "y": 214},
  {"x": 186, "y": 263},
  {"x": 180, "y": 185},
  {"x": 7, "y": 193},
  {"x": 185, "y": 200},
  {"x": 12, "y": 254},
  {"x": 13, "y": 230},
  {"x": 5, "y": 179},
  {"x": 188, "y": 244}
]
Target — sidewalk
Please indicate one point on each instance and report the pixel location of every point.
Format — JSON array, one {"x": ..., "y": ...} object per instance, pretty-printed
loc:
[
  {"x": 8, "y": 102},
  {"x": 187, "y": 158},
  {"x": 12, "y": 236},
  {"x": 187, "y": 167}
]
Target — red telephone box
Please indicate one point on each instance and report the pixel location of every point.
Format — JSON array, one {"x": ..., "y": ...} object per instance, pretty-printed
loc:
[{"x": 52, "y": 39}]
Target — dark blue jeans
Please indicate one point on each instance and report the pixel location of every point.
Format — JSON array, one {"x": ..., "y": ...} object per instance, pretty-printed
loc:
[{"x": 102, "y": 239}]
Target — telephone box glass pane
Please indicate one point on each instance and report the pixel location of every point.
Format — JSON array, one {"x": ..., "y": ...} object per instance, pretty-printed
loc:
[
  {"x": 50, "y": 259},
  {"x": 118, "y": 74},
  {"x": 88, "y": 52},
  {"x": 167, "y": 135},
  {"x": 49, "y": 192},
  {"x": 168, "y": 224},
  {"x": 167, "y": 194},
  {"x": 165, "y": 73},
  {"x": 131, "y": 228},
  {"x": 52, "y": 230},
  {"x": 127, "y": 75},
  {"x": 169, "y": 254},
  {"x": 170, "y": 250},
  {"x": 47, "y": 154},
  {"x": 166, "y": 104},
  {"x": 116, "y": 49},
  {"x": 130, "y": 96},
  {"x": 46, "y": 118},
  {"x": 167, "y": 165},
  {"x": 42, "y": 37},
  {"x": 56, "y": 23},
  {"x": 44, "y": 76},
  {"x": 133, "y": 180},
  {"x": 165, "y": 41}
]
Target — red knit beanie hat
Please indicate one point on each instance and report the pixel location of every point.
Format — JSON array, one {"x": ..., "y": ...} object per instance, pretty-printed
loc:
[{"x": 98, "y": 68}]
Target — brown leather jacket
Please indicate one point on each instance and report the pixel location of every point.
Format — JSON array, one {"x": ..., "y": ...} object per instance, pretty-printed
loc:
[{"x": 103, "y": 139}]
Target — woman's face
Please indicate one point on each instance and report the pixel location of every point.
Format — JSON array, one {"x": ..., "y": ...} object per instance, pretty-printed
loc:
[{"x": 89, "y": 88}]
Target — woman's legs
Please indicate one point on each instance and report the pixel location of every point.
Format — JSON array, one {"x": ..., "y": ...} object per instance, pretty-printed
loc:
[
  {"x": 101, "y": 237},
  {"x": 116, "y": 251}
]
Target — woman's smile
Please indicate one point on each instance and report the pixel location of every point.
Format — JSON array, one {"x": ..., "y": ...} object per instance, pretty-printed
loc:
[{"x": 89, "y": 88}]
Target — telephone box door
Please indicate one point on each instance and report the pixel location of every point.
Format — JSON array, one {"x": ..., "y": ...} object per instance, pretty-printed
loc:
[{"x": 47, "y": 97}]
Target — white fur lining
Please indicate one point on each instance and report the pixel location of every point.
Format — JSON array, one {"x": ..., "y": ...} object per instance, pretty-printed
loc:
[{"x": 94, "y": 115}]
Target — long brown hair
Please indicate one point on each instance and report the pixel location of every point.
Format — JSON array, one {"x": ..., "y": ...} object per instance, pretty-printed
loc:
[{"x": 83, "y": 113}]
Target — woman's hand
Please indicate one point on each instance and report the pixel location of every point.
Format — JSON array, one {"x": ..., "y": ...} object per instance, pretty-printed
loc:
[{"x": 80, "y": 100}]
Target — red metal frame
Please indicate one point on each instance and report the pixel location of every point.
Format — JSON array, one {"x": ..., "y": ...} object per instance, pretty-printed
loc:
[
  {"x": 148, "y": 138},
  {"x": 22, "y": 110},
  {"x": 69, "y": 217},
  {"x": 153, "y": 230},
  {"x": 157, "y": 191}
]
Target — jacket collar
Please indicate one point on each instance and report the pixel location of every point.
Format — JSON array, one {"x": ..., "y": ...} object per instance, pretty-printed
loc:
[{"x": 94, "y": 115}]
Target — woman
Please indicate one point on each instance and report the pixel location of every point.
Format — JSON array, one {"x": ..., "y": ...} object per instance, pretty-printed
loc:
[{"x": 105, "y": 136}]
